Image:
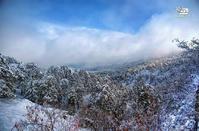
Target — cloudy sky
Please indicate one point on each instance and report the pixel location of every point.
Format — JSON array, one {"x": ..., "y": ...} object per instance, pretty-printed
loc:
[{"x": 93, "y": 32}]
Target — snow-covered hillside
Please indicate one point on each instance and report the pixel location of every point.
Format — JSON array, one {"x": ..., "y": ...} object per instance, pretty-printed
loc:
[
  {"x": 15, "y": 115},
  {"x": 11, "y": 111},
  {"x": 153, "y": 95},
  {"x": 182, "y": 118}
]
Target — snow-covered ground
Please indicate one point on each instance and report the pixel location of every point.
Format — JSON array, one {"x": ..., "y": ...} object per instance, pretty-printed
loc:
[
  {"x": 14, "y": 110},
  {"x": 183, "y": 117},
  {"x": 11, "y": 111}
]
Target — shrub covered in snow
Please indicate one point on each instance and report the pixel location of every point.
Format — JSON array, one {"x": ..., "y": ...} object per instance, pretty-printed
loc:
[{"x": 41, "y": 118}]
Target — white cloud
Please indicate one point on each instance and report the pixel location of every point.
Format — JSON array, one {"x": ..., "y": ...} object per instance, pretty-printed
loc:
[{"x": 51, "y": 44}]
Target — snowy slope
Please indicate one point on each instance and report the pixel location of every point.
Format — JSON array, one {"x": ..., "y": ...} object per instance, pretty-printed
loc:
[
  {"x": 12, "y": 111},
  {"x": 183, "y": 117}
]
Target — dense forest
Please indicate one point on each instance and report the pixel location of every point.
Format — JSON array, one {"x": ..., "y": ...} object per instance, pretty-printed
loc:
[{"x": 158, "y": 94}]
